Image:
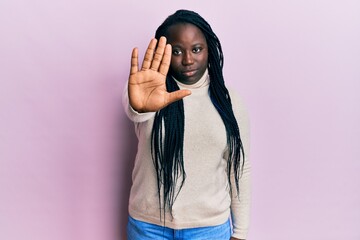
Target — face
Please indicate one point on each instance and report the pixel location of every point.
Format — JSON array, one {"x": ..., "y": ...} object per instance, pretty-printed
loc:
[{"x": 189, "y": 58}]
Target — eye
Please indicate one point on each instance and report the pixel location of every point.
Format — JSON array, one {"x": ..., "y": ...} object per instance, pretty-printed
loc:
[
  {"x": 197, "y": 49},
  {"x": 176, "y": 52}
]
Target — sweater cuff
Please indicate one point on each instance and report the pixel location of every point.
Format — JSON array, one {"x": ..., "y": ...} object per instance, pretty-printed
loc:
[
  {"x": 239, "y": 234},
  {"x": 135, "y": 116}
]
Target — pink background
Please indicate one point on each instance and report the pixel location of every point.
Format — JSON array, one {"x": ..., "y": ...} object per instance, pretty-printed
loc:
[{"x": 67, "y": 150}]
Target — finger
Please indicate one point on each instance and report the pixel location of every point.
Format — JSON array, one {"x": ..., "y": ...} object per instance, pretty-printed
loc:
[
  {"x": 149, "y": 54},
  {"x": 176, "y": 96},
  {"x": 165, "y": 63},
  {"x": 158, "y": 54},
  {"x": 134, "y": 61}
]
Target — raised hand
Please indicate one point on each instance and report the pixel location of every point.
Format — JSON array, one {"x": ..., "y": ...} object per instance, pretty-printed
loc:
[{"x": 147, "y": 89}]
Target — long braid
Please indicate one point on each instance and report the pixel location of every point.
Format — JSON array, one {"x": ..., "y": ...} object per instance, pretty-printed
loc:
[
  {"x": 167, "y": 149},
  {"x": 168, "y": 130}
]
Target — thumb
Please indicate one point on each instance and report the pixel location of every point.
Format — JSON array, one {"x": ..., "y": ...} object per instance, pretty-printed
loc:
[{"x": 177, "y": 95}]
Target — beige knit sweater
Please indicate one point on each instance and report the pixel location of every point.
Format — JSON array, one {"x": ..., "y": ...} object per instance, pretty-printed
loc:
[{"x": 204, "y": 199}]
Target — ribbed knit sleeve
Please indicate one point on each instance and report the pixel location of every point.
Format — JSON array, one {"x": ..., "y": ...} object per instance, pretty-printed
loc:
[{"x": 240, "y": 203}]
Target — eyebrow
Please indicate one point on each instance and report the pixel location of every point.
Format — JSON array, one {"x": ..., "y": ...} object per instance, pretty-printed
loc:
[{"x": 194, "y": 45}]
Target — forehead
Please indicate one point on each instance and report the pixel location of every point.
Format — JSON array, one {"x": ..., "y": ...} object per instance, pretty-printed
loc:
[{"x": 185, "y": 33}]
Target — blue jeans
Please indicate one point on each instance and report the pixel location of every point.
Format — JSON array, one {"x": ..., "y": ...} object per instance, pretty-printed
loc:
[{"x": 138, "y": 230}]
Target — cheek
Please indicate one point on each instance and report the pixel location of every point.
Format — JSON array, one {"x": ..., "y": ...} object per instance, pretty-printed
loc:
[{"x": 204, "y": 58}]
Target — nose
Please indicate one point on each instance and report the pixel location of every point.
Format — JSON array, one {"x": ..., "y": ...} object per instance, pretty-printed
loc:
[{"x": 187, "y": 58}]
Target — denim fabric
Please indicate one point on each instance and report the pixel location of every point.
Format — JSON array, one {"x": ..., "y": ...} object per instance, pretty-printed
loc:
[{"x": 138, "y": 230}]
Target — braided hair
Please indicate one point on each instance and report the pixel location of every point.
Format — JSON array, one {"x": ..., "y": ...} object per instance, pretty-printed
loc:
[{"x": 167, "y": 136}]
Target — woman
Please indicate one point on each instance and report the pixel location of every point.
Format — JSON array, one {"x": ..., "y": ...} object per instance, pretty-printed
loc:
[{"x": 191, "y": 178}]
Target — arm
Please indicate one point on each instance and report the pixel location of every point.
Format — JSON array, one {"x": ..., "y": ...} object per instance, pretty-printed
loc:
[{"x": 240, "y": 204}]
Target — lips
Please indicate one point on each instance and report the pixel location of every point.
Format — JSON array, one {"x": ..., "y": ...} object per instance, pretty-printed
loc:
[{"x": 189, "y": 73}]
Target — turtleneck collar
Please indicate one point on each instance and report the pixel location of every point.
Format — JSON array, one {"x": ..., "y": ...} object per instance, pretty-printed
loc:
[{"x": 203, "y": 81}]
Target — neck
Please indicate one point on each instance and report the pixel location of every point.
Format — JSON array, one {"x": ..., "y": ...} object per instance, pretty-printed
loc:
[{"x": 203, "y": 81}]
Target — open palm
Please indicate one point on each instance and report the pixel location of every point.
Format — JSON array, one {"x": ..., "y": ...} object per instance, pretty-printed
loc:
[{"x": 147, "y": 88}]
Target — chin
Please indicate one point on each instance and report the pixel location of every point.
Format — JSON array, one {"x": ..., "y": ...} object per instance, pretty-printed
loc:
[{"x": 191, "y": 80}]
